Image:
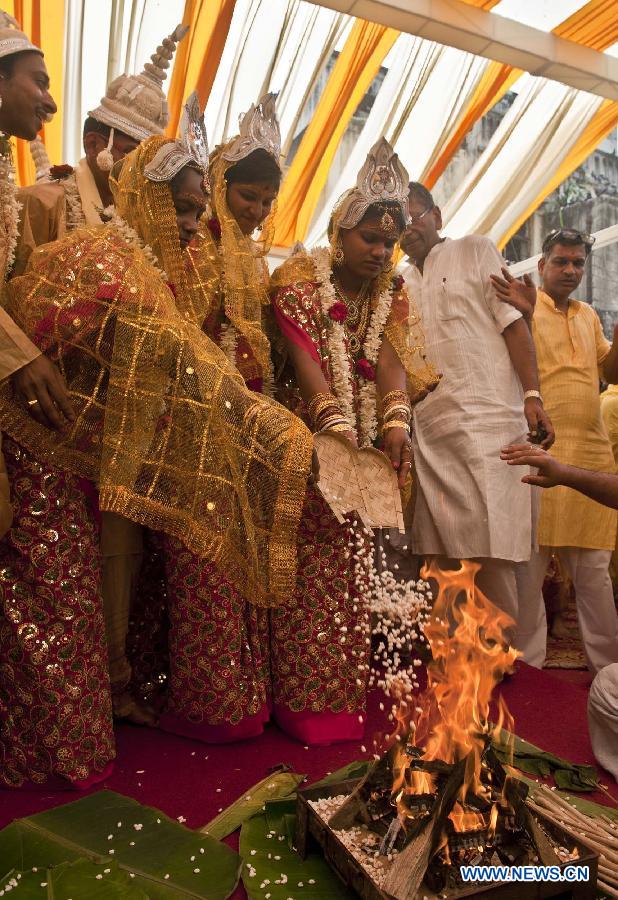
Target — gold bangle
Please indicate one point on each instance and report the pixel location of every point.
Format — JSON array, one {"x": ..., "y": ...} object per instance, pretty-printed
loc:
[
  {"x": 396, "y": 397},
  {"x": 396, "y": 423},
  {"x": 340, "y": 426},
  {"x": 398, "y": 412}
]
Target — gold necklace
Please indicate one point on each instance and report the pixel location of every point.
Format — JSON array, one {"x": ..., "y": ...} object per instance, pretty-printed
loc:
[{"x": 356, "y": 321}]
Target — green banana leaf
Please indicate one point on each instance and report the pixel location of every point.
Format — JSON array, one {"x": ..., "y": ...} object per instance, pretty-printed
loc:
[
  {"x": 265, "y": 846},
  {"x": 356, "y": 769},
  {"x": 273, "y": 787},
  {"x": 79, "y": 880},
  {"x": 161, "y": 853},
  {"x": 534, "y": 761}
]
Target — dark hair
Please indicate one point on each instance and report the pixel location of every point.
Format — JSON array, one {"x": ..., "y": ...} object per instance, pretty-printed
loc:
[
  {"x": 377, "y": 210},
  {"x": 568, "y": 237},
  {"x": 7, "y": 63},
  {"x": 418, "y": 191},
  {"x": 257, "y": 168},
  {"x": 91, "y": 124}
]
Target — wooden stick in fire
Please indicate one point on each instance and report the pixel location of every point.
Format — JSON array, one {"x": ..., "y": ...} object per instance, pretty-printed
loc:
[{"x": 597, "y": 833}]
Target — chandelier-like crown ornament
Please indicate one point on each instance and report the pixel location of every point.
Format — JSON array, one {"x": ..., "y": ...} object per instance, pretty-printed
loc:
[
  {"x": 191, "y": 149},
  {"x": 12, "y": 38},
  {"x": 382, "y": 179},
  {"x": 135, "y": 104},
  {"x": 259, "y": 130}
]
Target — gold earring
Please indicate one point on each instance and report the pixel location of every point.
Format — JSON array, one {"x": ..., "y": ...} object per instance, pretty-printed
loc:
[{"x": 337, "y": 255}]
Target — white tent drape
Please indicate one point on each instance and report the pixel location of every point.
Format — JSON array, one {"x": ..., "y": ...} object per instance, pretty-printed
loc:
[
  {"x": 412, "y": 109},
  {"x": 295, "y": 40},
  {"x": 534, "y": 137},
  {"x": 103, "y": 40}
]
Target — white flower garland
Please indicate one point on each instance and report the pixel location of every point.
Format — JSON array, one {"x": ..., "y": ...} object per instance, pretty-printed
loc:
[
  {"x": 75, "y": 213},
  {"x": 341, "y": 367},
  {"x": 131, "y": 237},
  {"x": 9, "y": 211}
]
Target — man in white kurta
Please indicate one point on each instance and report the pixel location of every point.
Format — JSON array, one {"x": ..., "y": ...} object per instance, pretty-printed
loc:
[{"x": 467, "y": 506}]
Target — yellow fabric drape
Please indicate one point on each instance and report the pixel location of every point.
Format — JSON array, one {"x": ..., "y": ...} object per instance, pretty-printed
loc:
[
  {"x": 493, "y": 85},
  {"x": 355, "y": 69},
  {"x": 598, "y": 128},
  {"x": 47, "y": 32},
  {"x": 595, "y": 25},
  {"x": 199, "y": 54},
  {"x": 482, "y": 4}
]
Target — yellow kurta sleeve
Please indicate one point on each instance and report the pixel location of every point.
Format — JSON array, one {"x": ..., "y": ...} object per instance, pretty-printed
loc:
[
  {"x": 602, "y": 344},
  {"x": 42, "y": 219},
  {"x": 16, "y": 350}
]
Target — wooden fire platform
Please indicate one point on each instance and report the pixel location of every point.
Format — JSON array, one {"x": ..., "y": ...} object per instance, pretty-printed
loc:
[{"x": 312, "y": 830}]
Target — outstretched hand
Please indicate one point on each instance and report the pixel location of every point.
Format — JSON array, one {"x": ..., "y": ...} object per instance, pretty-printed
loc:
[
  {"x": 518, "y": 292},
  {"x": 549, "y": 469}
]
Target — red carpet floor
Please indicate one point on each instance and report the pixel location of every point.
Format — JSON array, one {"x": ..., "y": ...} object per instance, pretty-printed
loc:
[{"x": 185, "y": 778}]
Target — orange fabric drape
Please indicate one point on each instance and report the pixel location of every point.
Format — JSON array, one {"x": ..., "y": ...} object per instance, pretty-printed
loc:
[
  {"x": 597, "y": 129},
  {"x": 199, "y": 54},
  {"x": 483, "y": 4},
  {"x": 47, "y": 32},
  {"x": 356, "y": 67},
  {"x": 493, "y": 85},
  {"x": 595, "y": 25}
]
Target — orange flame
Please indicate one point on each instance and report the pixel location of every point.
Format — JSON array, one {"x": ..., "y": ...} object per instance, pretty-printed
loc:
[{"x": 470, "y": 655}]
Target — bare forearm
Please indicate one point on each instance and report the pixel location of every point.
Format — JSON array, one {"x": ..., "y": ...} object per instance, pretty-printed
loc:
[
  {"x": 390, "y": 374},
  {"x": 309, "y": 375},
  {"x": 520, "y": 345},
  {"x": 599, "y": 486}
]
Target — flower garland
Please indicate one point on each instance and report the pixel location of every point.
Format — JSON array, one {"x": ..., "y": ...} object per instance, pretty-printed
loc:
[
  {"x": 75, "y": 213},
  {"x": 9, "y": 210},
  {"x": 334, "y": 313},
  {"x": 131, "y": 237}
]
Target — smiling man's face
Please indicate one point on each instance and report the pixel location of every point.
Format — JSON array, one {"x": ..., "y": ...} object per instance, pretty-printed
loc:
[{"x": 26, "y": 101}]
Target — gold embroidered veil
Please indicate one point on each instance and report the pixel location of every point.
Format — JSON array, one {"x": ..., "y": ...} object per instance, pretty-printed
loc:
[
  {"x": 244, "y": 274},
  {"x": 164, "y": 424}
]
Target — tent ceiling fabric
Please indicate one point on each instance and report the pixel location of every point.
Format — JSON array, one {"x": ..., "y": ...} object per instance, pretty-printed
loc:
[{"x": 436, "y": 88}]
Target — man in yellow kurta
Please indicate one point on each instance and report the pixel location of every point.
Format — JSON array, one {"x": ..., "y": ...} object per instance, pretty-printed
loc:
[{"x": 573, "y": 354}]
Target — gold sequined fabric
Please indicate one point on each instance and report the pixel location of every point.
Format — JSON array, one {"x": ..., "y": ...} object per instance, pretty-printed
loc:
[
  {"x": 244, "y": 276},
  {"x": 403, "y": 327},
  {"x": 164, "y": 424}
]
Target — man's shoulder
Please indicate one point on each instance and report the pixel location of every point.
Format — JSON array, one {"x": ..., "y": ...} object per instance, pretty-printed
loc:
[{"x": 473, "y": 243}]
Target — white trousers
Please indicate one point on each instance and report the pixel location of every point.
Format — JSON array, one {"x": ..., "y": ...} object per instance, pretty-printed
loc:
[{"x": 596, "y": 610}]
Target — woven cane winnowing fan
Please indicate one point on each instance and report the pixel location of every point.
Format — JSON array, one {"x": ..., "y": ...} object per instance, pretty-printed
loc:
[
  {"x": 361, "y": 481},
  {"x": 339, "y": 475},
  {"x": 380, "y": 490}
]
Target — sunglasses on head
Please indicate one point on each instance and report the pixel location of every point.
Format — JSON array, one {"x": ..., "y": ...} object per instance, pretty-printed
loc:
[{"x": 570, "y": 235}]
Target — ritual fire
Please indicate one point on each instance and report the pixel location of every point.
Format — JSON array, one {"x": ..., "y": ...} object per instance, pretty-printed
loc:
[{"x": 439, "y": 798}]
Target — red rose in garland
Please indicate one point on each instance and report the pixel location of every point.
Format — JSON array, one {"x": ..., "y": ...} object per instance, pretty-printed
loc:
[
  {"x": 338, "y": 312},
  {"x": 364, "y": 368},
  {"x": 214, "y": 226},
  {"x": 61, "y": 171}
]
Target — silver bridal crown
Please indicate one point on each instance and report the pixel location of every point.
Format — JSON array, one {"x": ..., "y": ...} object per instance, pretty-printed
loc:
[
  {"x": 382, "y": 179},
  {"x": 192, "y": 147},
  {"x": 259, "y": 130}
]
